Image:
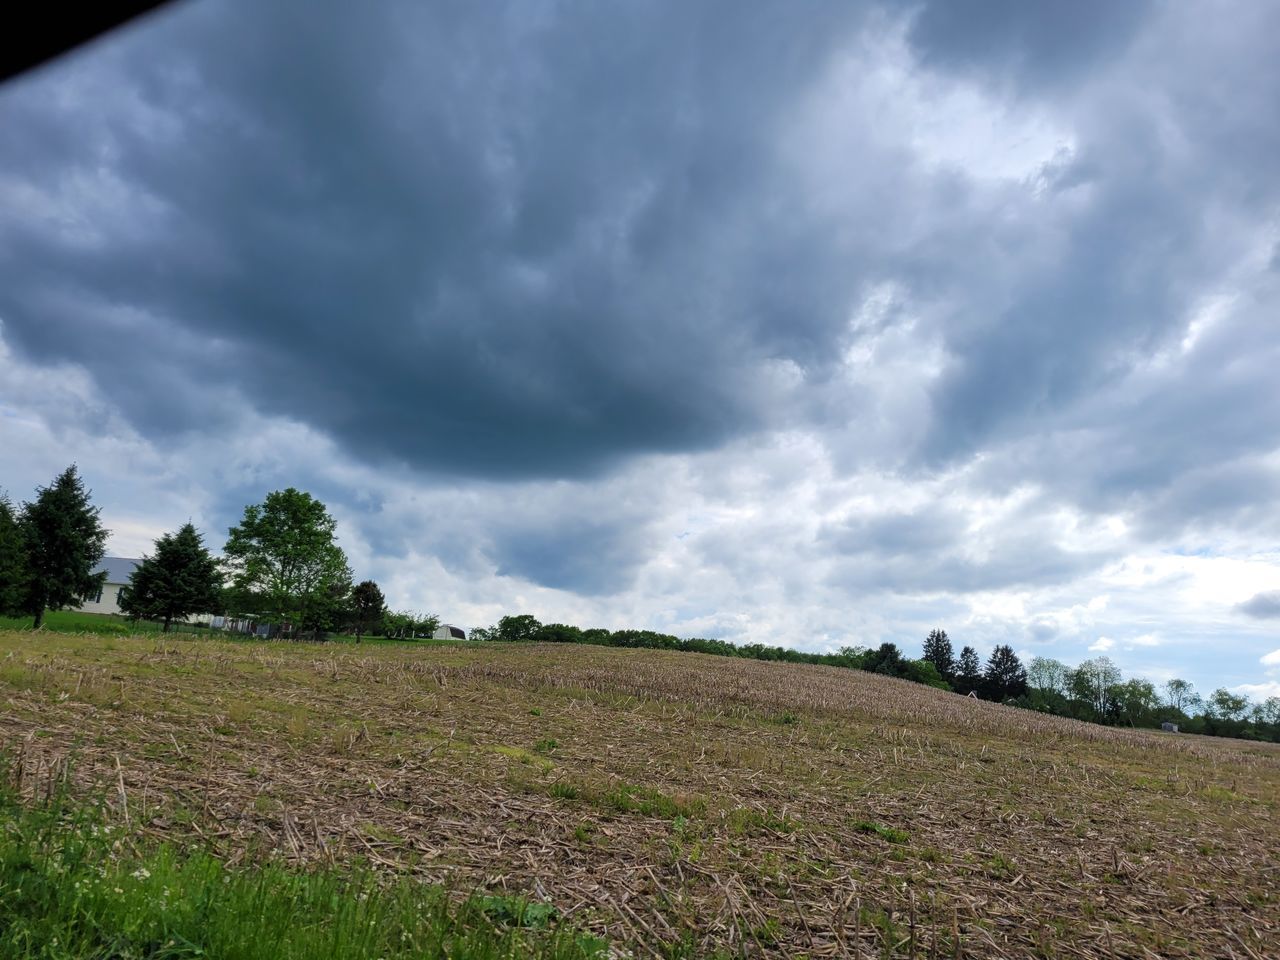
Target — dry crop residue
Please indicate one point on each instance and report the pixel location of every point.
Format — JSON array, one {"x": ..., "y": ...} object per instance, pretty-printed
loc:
[{"x": 659, "y": 798}]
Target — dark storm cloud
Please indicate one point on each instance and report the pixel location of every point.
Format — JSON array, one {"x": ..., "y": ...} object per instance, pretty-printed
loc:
[
  {"x": 533, "y": 241},
  {"x": 1033, "y": 43},
  {"x": 1264, "y": 606},
  {"x": 509, "y": 242}
]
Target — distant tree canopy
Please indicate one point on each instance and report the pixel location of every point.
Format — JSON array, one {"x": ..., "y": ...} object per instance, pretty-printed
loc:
[
  {"x": 63, "y": 541},
  {"x": 178, "y": 579},
  {"x": 285, "y": 563},
  {"x": 368, "y": 607}
]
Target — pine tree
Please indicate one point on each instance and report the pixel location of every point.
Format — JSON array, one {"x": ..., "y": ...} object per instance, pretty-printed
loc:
[
  {"x": 64, "y": 542},
  {"x": 968, "y": 671},
  {"x": 179, "y": 579},
  {"x": 368, "y": 605},
  {"x": 13, "y": 560},
  {"x": 1005, "y": 676},
  {"x": 937, "y": 650}
]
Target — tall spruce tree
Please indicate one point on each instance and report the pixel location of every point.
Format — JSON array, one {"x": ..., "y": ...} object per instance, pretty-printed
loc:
[
  {"x": 64, "y": 541},
  {"x": 13, "y": 560},
  {"x": 937, "y": 650},
  {"x": 1005, "y": 676},
  {"x": 968, "y": 672},
  {"x": 179, "y": 579}
]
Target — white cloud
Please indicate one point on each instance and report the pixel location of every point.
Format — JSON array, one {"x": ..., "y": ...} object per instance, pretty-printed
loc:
[
  {"x": 1271, "y": 659},
  {"x": 1101, "y": 644},
  {"x": 1146, "y": 640},
  {"x": 1259, "y": 691}
]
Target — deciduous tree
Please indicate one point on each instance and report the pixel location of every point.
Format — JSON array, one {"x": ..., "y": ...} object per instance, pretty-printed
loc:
[
  {"x": 285, "y": 561},
  {"x": 368, "y": 607}
]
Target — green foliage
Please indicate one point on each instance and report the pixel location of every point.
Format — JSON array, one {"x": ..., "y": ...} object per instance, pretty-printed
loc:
[
  {"x": 1005, "y": 677},
  {"x": 73, "y": 888},
  {"x": 937, "y": 651},
  {"x": 404, "y": 625},
  {"x": 890, "y": 834},
  {"x": 968, "y": 677},
  {"x": 285, "y": 563},
  {"x": 64, "y": 541},
  {"x": 368, "y": 607},
  {"x": 179, "y": 579},
  {"x": 13, "y": 561},
  {"x": 518, "y": 629}
]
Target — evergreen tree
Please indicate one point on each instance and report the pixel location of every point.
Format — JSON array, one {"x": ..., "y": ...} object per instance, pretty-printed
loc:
[
  {"x": 179, "y": 579},
  {"x": 64, "y": 541},
  {"x": 1005, "y": 676},
  {"x": 937, "y": 650},
  {"x": 968, "y": 672},
  {"x": 368, "y": 607},
  {"x": 13, "y": 561}
]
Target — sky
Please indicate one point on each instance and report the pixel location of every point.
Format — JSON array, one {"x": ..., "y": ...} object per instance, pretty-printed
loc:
[{"x": 810, "y": 324}]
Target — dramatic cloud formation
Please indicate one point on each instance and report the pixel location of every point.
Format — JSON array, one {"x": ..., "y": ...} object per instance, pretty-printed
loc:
[{"x": 811, "y": 326}]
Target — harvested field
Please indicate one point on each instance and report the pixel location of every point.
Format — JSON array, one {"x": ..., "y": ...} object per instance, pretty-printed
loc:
[{"x": 673, "y": 802}]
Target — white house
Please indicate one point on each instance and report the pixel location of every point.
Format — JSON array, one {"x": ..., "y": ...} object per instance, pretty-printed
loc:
[
  {"x": 447, "y": 631},
  {"x": 108, "y": 599}
]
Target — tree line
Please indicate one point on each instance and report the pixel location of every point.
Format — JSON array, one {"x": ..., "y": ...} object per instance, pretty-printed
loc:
[
  {"x": 1095, "y": 691},
  {"x": 281, "y": 564}
]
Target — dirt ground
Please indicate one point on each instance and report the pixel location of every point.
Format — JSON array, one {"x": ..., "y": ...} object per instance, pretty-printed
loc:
[{"x": 673, "y": 802}]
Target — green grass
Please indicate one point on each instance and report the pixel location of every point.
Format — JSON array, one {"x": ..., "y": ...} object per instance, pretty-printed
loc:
[
  {"x": 72, "y": 887},
  {"x": 108, "y": 624}
]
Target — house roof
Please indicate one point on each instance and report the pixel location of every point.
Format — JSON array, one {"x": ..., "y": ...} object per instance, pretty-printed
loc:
[{"x": 118, "y": 568}]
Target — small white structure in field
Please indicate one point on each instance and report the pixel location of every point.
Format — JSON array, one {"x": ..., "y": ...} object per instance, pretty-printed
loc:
[
  {"x": 1169, "y": 726},
  {"x": 447, "y": 631}
]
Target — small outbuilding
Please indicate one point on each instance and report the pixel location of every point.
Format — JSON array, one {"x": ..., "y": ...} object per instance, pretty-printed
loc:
[
  {"x": 447, "y": 631},
  {"x": 1169, "y": 726}
]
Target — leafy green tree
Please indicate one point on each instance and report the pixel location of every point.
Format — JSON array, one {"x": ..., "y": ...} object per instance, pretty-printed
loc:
[
  {"x": 368, "y": 606},
  {"x": 558, "y": 633},
  {"x": 1092, "y": 684},
  {"x": 968, "y": 672},
  {"x": 13, "y": 561},
  {"x": 1227, "y": 705},
  {"x": 1136, "y": 702},
  {"x": 284, "y": 561},
  {"x": 1004, "y": 677},
  {"x": 1180, "y": 695},
  {"x": 518, "y": 629},
  {"x": 180, "y": 578},
  {"x": 937, "y": 651},
  {"x": 1047, "y": 675},
  {"x": 64, "y": 541}
]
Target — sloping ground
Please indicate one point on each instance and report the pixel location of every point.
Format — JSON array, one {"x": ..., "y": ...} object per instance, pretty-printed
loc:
[{"x": 668, "y": 799}]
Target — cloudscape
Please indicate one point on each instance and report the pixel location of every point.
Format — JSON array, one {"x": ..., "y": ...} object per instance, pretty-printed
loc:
[{"x": 814, "y": 325}]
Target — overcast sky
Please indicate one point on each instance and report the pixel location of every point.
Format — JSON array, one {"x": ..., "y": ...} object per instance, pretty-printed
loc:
[{"x": 811, "y": 324}]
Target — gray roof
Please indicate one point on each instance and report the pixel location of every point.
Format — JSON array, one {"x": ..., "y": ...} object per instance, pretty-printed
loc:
[{"x": 118, "y": 568}]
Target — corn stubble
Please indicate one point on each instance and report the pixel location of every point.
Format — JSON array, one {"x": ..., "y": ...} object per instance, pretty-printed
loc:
[{"x": 674, "y": 803}]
